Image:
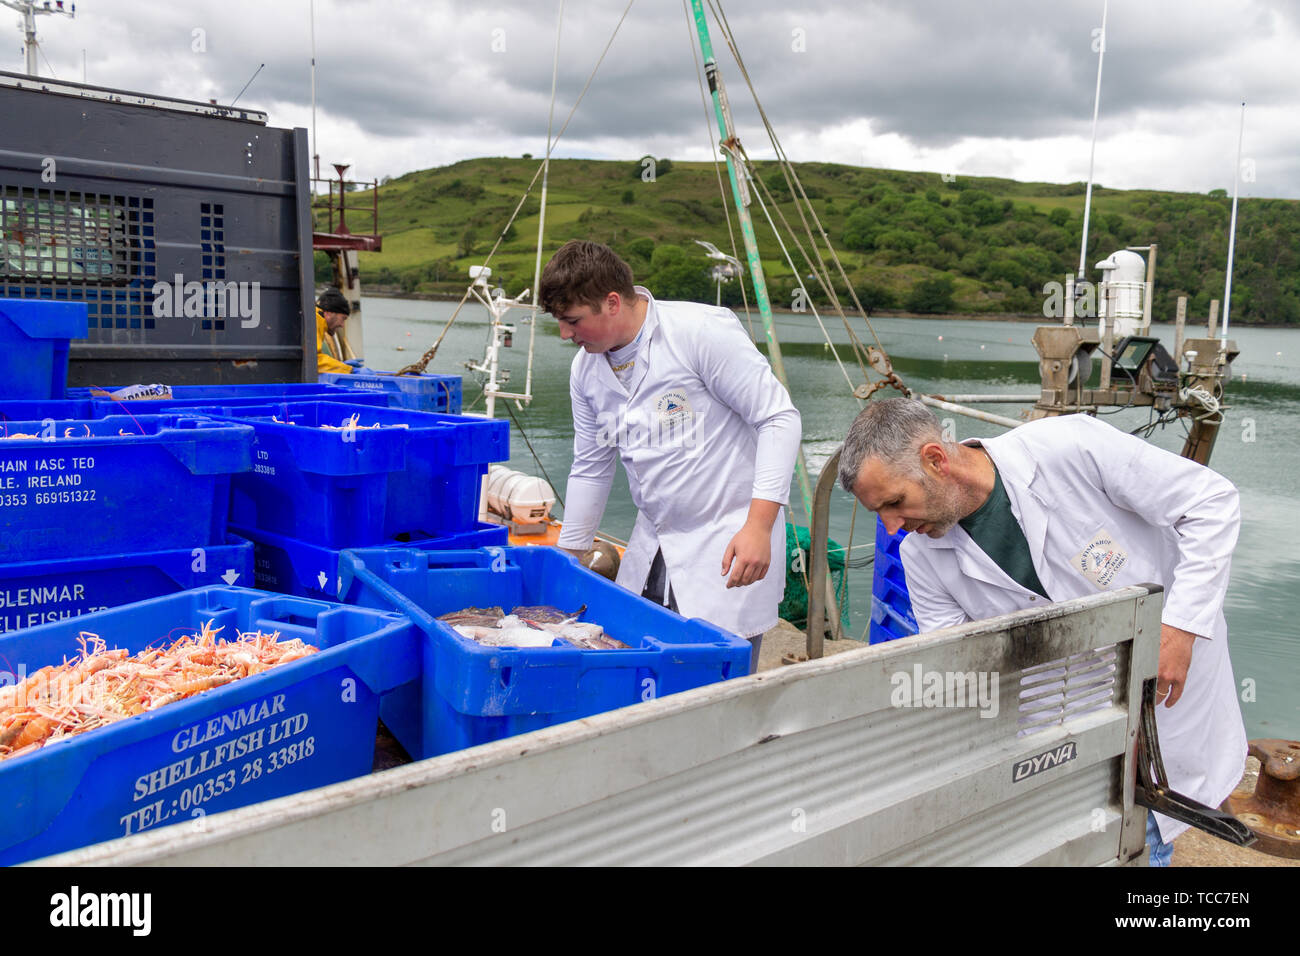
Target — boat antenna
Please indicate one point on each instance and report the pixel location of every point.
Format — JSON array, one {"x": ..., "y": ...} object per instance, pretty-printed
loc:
[
  {"x": 1232, "y": 230},
  {"x": 1092, "y": 153},
  {"x": 247, "y": 85},
  {"x": 315, "y": 153}
]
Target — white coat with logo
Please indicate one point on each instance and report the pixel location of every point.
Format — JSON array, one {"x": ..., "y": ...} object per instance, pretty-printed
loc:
[
  {"x": 702, "y": 427},
  {"x": 1103, "y": 509}
]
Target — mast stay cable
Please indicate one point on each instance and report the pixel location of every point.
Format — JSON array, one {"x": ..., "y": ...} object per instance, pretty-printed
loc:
[{"x": 878, "y": 362}]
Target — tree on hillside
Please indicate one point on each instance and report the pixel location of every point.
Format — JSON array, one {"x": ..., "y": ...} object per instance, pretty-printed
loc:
[
  {"x": 931, "y": 295},
  {"x": 468, "y": 239},
  {"x": 685, "y": 280}
]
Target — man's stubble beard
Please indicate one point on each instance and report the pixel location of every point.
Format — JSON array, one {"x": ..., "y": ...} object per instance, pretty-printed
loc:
[{"x": 943, "y": 506}]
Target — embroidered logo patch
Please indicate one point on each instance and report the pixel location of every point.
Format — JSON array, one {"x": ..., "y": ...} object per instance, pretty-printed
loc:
[
  {"x": 1101, "y": 559},
  {"x": 674, "y": 410}
]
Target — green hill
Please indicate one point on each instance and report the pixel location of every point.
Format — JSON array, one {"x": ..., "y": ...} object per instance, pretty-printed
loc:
[{"x": 907, "y": 240}]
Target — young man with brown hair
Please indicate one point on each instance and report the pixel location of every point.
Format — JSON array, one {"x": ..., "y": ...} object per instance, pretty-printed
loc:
[{"x": 706, "y": 433}]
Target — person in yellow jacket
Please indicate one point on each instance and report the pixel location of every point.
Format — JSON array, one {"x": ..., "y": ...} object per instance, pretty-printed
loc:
[{"x": 332, "y": 310}]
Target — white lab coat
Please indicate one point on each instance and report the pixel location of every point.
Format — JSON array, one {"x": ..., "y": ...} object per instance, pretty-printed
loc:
[
  {"x": 1150, "y": 516},
  {"x": 702, "y": 428}
]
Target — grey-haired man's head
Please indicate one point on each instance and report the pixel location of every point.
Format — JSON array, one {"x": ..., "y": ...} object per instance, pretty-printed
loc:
[{"x": 895, "y": 461}]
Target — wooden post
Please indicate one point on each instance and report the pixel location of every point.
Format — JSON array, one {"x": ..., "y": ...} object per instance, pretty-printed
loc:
[
  {"x": 1214, "y": 317},
  {"x": 1150, "y": 286}
]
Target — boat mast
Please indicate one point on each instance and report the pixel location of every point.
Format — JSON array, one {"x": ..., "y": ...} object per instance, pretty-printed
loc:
[
  {"x": 740, "y": 195},
  {"x": 541, "y": 218},
  {"x": 29, "y": 10},
  {"x": 1232, "y": 232},
  {"x": 1092, "y": 153}
]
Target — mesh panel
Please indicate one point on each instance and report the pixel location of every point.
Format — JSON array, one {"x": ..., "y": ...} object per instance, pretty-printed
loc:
[
  {"x": 212, "y": 238},
  {"x": 80, "y": 247}
]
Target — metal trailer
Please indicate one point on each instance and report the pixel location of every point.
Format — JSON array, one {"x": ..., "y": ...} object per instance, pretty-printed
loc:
[
  {"x": 825, "y": 762},
  {"x": 185, "y": 227}
]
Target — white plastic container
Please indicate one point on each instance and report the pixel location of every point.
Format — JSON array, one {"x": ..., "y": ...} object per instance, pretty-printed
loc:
[{"x": 523, "y": 499}]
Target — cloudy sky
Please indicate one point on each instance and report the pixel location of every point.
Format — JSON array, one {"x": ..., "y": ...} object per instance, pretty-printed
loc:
[{"x": 974, "y": 87}]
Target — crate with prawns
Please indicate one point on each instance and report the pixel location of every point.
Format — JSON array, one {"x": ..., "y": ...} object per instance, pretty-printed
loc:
[
  {"x": 160, "y": 712},
  {"x": 346, "y": 475},
  {"x": 519, "y": 638}
]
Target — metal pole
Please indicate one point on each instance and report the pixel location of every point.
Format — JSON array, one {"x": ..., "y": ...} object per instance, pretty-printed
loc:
[
  {"x": 728, "y": 137},
  {"x": 1092, "y": 154},
  {"x": 991, "y": 399},
  {"x": 969, "y": 412},
  {"x": 1232, "y": 231},
  {"x": 29, "y": 44},
  {"x": 820, "y": 586}
]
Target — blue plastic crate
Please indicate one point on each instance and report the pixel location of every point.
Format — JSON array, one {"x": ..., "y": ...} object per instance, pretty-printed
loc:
[
  {"x": 291, "y": 566},
  {"x": 117, "y": 485},
  {"x": 193, "y": 397},
  {"x": 38, "y": 592},
  {"x": 34, "y": 339},
  {"x": 471, "y": 694},
  {"x": 421, "y": 393},
  {"x": 418, "y": 476},
  {"x": 891, "y": 606},
  {"x": 295, "y": 727}
]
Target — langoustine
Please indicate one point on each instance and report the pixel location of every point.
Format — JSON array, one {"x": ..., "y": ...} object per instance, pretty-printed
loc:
[{"x": 100, "y": 685}]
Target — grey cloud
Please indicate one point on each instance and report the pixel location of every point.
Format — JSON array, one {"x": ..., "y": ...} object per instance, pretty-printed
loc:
[{"x": 932, "y": 71}]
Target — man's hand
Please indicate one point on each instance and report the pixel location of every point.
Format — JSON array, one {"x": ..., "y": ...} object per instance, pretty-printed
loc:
[
  {"x": 749, "y": 553},
  {"x": 1175, "y": 658}
]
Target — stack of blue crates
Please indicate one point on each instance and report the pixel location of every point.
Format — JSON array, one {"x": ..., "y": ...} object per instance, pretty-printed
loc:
[
  {"x": 328, "y": 476},
  {"x": 95, "y": 513},
  {"x": 891, "y": 606}
]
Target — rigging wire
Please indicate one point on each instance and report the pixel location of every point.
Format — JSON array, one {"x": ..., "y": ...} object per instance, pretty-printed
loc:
[
  {"x": 524, "y": 435},
  {"x": 417, "y": 367},
  {"x": 816, "y": 315},
  {"x": 790, "y": 174},
  {"x": 40, "y": 48}
]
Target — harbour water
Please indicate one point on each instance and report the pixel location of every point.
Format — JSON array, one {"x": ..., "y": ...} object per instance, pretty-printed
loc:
[{"x": 1258, "y": 448}]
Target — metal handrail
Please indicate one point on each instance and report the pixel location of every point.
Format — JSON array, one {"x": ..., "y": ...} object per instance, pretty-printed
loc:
[{"x": 818, "y": 556}]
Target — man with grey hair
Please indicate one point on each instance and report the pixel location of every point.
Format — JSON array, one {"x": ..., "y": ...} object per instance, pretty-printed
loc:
[{"x": 1060, "y": 508}]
